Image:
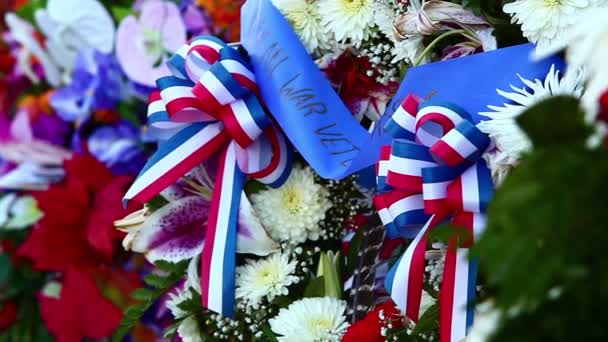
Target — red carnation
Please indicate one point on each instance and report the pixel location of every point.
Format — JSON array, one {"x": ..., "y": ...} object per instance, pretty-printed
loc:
[
  {"x": 80, "y": 311},
  {"x": 77, "y": 227},
  {"x": 368, "y": 328}
]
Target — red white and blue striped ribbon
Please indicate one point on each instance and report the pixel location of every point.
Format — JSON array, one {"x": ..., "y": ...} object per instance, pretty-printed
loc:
[
  {"x": 209, "y": 105},
  {"x": 432, "y": 172}
]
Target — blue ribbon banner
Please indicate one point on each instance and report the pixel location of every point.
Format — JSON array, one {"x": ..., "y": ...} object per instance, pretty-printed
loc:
[{"x": 319, "y": 124}]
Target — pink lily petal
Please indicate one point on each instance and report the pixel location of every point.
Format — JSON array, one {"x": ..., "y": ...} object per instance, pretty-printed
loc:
[{"x": 174, "y": 232}]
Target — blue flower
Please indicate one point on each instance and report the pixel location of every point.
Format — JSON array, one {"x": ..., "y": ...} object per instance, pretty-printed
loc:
[
  {"x": 118, "y": 147},
  {"x": 96, "y": 84}
]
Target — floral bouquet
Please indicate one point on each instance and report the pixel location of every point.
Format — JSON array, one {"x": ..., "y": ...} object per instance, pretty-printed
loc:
[
  {"x": 72, "y": 101},
  {"x": 324, "y": 170}
]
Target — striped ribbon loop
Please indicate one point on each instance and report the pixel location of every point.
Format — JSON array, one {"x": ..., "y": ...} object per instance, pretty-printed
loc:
[
  {"x": 209, "y": 106},
  {"x": 433, "y": 172}
]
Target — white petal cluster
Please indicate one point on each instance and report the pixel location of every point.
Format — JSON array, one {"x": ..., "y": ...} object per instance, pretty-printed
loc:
[
  {"x": 305, "y": 18},
  {"x": 510, "y": 140},
  {"x": 266, "y": 278},
  {"x": 348, "y": 19},
  {"x": 587, "y": 47},
  {"x": 311, "y": 319},
  {"x": 293, "y": 211},
  {"x": 544, "y": 21}
]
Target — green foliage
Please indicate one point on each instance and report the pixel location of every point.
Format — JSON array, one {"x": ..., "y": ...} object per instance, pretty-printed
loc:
[
  {"x": 328, "y": 269},
  {"x": 315, "y": 288},
  {"x": 506, "y": 33},
  {"x": 428, "y": 322},
  {"x": 156, "y": 203},
  {"x": 159, "y": 283},
  {"x": 542, "y": 251},
  {"x": 27, "y": 11}
]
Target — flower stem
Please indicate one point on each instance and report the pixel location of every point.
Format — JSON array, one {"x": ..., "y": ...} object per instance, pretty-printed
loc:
[{"x": 430, "y": 47}]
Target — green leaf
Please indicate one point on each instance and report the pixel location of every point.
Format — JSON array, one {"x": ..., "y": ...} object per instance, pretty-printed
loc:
[
  {"x": 558, "y": 120},
  {"x": 5, "y": 269},
  {"x": 156, "y": 203},
  {"x": 120, "y": 12},
  {"x": 161, "y": 283},
  {"x": 143, "y": 294},
  {"x": 27, "y": 11},
  {"x": 156, "y": 280},
  {"x": 327, "y": 270},
  {"x": 253, "y": 186},
  {"x": 429, "y": 321},
  {"x": 171, "y": 330},
  {"x": 315, "y": 288}
]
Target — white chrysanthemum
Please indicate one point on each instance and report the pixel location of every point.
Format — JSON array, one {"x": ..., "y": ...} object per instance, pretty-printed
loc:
[
  {"x": 348, "y": 19},
  {"x": 304, "y": 17},
  {"x": 311, "y": 319},
  {"x": 265, "y": 278},
  {"x": 544, "y": 21},
  {"x": 189, "y": 331},
  {"x": 503, "y": 129},
  {"x": 293, "y": 211},
  {"x": 587, "y": 43}
]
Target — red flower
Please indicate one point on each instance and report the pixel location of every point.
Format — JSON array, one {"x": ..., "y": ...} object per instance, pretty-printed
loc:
[
  {"x": 80, "y": 311},
  {"x": 8, "y": 314},
  {"x": 603, "y": 115},
  {"x": 77, "y": 227},
  {"x": 368, "y": 328},
  {"x": 359, "y": 91}
]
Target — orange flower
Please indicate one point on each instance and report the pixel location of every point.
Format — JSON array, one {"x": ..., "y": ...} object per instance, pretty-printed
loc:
[{"x": 225, "y": 15}]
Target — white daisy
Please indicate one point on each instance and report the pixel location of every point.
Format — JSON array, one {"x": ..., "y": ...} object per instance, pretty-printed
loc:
[
  {"x": 265, "y": 278},
  {"x": 348, "y": 19},
  {"x": 293, "y": 211},
  {"x": 503, "y": 129},
  {"x": 544, "y": 21},
  {"x": 311, "y": 319},
  {"x": 304, "y": 17}
]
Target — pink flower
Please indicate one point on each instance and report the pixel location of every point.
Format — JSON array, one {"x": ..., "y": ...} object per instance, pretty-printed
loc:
[{"x": 143, "y": 44}]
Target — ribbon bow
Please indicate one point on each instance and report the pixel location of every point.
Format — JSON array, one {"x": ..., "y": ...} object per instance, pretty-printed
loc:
[
  {"x": 207, "y": 107},
  {"x": 432, "y": 172}
]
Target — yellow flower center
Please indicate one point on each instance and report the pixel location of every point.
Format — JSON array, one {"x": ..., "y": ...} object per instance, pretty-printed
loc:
[
  {"x": 320, "y": 324},
  {"x": 353, "y": 6},
  {"x": 552, "y": 3},
  {"x": 291, "y": 200}
]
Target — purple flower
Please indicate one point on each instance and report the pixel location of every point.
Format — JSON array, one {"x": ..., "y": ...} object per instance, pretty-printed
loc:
[
  {"x": 118, "y": 147},
  {"x": 50, "y": 128},
  {"x": 96, "y": 84},
  {"x": 196, "y": 20}
]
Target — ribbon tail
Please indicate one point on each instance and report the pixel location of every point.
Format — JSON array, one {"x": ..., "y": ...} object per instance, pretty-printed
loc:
[
  {"x": 457, "y": 294},
  {"x": 405, "y": 281},
  {"x": 218, "y": 260},
  {"x": 176, "y": 157}
]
